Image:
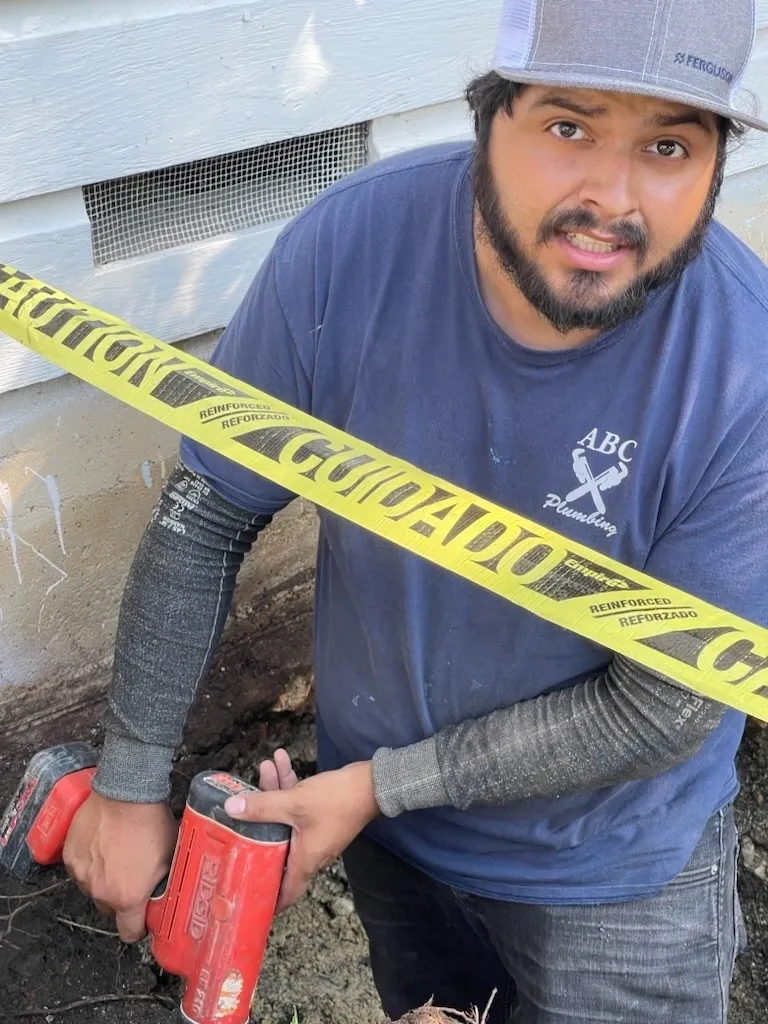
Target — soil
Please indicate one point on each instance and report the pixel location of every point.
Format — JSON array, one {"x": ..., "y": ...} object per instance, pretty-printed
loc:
[
  {"x": 749, "y": 993},
  {"x": 57, "y": 949}
]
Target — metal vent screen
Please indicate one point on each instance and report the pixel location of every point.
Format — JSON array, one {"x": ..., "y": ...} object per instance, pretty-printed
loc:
[{"x": 157, "y": 210}]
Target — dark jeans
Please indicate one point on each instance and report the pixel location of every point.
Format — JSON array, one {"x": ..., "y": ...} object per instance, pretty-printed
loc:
[{"x": 667, "y": 958}]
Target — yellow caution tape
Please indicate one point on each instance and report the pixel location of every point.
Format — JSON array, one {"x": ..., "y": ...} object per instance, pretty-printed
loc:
[{"x": 713, "y": 652}]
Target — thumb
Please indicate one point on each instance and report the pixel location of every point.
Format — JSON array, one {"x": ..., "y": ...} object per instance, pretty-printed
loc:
[
  {"x": 276, "y": 805},
  {"x": 130, "y": 923}
]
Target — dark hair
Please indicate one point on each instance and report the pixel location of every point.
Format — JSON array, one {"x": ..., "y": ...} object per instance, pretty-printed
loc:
[{"x": 488, "y": 94}]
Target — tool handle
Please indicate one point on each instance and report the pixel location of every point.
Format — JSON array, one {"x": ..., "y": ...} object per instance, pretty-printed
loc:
[{"x": 207, "y": 795}]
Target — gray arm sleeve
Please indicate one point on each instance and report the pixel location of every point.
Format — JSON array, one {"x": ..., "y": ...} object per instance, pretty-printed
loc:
[
  {"x": 176, "y": 600},
  {"x": 623, "y": 725}
]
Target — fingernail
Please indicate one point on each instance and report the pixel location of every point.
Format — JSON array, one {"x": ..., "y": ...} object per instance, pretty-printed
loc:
[{"x": 235, "y": 805}]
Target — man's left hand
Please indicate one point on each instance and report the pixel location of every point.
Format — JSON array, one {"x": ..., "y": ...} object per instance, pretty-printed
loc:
[{"x": 325, "y": 812}]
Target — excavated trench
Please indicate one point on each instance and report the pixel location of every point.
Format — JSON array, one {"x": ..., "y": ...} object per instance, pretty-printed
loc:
[{"x": 58, "y": 956}]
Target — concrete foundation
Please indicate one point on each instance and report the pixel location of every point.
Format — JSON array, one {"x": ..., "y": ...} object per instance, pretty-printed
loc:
[{"x": 79, "y": 473}]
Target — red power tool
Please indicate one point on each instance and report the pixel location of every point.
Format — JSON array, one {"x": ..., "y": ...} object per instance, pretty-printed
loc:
[{"x": 210, "y": 919}]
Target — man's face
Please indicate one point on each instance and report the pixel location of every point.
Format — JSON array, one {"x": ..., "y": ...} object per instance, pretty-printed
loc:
[{"x": 593, "y": 199}]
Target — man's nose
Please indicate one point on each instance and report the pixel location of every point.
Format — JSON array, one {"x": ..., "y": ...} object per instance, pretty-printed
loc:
[{"x": 609, "y": 188}]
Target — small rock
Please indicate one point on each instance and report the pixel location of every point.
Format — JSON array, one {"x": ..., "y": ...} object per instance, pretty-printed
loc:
[
  {"x": 337, "y": 870},
  {"x": 341, "y": 906},
  {"x": 754, "y": 858}
]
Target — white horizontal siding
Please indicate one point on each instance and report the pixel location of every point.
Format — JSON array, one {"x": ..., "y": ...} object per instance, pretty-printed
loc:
[
  {"x": 93, "y": 91},
  {"x": 744, "y": 208},
  {"x": 96, "y": 91},
  {"x": 173, "y": 294},
  {"x": 445, "y": 122},
  {"x": 753, "y": 151}
]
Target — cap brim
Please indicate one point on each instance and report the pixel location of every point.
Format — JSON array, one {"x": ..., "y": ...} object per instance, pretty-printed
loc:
[{"x": 607, "y": 84}]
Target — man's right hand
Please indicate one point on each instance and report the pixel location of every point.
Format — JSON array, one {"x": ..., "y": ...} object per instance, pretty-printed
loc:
[{"x": 117, "y": 853}]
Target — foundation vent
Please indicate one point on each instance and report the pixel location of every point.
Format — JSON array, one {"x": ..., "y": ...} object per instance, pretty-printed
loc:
[{"x": 157, "y": 210}]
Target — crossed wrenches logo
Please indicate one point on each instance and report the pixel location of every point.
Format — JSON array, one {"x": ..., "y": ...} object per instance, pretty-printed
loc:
[{"x": 594, "y": 484}]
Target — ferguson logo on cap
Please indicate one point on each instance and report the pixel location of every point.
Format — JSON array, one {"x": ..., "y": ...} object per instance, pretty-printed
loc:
[{"x": 707, "y": 66}]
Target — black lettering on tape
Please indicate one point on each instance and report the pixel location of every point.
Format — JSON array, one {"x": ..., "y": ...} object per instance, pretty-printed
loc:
[
  {"x": 121, "y": 348},
  {"x": 62, "y": 317},
  {"x": 26, "y": 298},
  {"x": 346, "y": 473},
  {"x": 471, "y": 515},
  {"x": 439, "y": 497},
  {"x": 191, "y": 384},
  {"x": 400, "y": 494},
  {"x": 494, "y": 562},
  {"x": 339, "y": 473},
  {"x": 152, "y": 359},
  {"x": 271, "y": 441},
  {"x": 11, "y": 281},
  {"x": 358, "y": 481},
  {"x": 378, "y": 485},
  {"x": 734, "y": 658},
  {"x": 487, "y": 536},
  {"x": 578, "y": 577},
  {"x": 80, "y": 333},
  {"x": 322, "y": 449},
  {"x": 684, "y": 645},
  {"x": 440, "y": 504}
]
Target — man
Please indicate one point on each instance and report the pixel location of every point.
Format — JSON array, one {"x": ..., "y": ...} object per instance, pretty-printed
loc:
[{"x": 551, "y": 320}]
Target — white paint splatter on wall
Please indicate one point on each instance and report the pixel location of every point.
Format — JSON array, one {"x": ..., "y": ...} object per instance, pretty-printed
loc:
[
  {"x": 15, "y": 540},
  {"x": 7, "y": 502},
  {"x": 53, "y": 494}
]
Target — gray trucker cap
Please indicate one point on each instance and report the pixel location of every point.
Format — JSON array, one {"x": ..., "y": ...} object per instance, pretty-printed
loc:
[{"x": 687, "y": 51}]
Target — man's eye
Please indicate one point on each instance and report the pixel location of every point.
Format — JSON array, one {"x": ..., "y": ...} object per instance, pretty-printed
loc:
[
  {"x": 567, "y": 130},
  {"x": 669, "y": 149}
]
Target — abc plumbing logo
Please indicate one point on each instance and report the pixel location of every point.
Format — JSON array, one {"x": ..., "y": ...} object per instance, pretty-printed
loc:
[{"x": 593, "y": 480}]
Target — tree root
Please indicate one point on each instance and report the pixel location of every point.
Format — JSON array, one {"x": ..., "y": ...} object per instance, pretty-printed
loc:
[
  {"x": 430, "y": 1014},
  {"x": 79, "y": 1004}
]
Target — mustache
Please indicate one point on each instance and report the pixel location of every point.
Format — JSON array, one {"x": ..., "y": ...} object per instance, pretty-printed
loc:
[{"x": 626, "y": 232}]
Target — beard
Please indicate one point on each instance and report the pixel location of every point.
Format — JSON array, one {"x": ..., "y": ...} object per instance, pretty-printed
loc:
[{"x": 579, "y": 306}]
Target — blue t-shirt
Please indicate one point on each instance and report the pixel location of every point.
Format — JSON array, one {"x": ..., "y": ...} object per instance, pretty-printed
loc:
[{"x": 368, "y": 314}]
